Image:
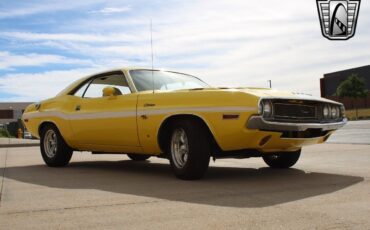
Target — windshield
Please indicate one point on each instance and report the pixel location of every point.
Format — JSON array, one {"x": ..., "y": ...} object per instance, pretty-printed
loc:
[{"x": 163, "y": 80}]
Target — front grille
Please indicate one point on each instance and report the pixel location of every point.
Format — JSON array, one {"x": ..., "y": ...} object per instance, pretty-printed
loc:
[
  {"x": 294, "y": 111},
  {"x": 299, "y": 111}
]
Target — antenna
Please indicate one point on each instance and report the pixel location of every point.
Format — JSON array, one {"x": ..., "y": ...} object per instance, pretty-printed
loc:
[{"x": 151, "y": 46}]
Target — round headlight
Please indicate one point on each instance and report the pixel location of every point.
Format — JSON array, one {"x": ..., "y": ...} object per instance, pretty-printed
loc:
[
  {"x": 325, "y": 111},
  {"x": 334, "y": 112},
  {"x": 338, "y": 112},
  {"x": 267, "y": 109}
]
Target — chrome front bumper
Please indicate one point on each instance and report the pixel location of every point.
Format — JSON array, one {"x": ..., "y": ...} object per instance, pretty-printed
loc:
[{"x": 257, "y": 122}]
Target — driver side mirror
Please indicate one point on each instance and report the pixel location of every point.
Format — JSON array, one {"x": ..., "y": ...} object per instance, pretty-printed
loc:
[{"x": 108, "y": 91}]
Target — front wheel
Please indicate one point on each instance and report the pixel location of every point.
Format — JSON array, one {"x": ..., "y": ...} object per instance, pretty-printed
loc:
[
  {"x": 54, "y": 150},
  {"x": 282, "y": 159},
  {"x": 189, "y": 149}
]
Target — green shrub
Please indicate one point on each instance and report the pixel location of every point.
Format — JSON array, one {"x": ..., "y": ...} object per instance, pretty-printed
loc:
[{"x": 4, "y": 133}]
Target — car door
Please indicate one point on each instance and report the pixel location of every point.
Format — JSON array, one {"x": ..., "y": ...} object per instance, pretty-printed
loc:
[{"x": 99, "y": 120}]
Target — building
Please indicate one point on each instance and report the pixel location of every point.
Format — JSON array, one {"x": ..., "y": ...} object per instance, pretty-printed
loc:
[
  {"x": 330, "y": 82},
  {"x": 12, "y": 112}
]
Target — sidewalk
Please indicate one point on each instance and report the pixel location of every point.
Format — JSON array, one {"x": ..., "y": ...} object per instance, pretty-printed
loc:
[{"x": 14, "y": 142}]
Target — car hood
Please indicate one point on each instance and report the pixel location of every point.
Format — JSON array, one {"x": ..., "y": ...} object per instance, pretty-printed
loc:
[{"x": 270, "y": 93}]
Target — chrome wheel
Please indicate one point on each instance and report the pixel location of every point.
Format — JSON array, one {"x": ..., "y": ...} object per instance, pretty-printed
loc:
[
  {"x": 50, "y": 143},
  {"x": 179, "y": 148}
]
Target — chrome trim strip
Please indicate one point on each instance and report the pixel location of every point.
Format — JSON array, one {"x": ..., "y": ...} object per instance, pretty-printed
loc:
[{"x": 257, "y": 122}]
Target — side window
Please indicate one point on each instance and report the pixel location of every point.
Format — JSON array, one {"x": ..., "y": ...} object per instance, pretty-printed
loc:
[
  {"x": 81, "y": 90},
  {"x": 117, "y": 81}
]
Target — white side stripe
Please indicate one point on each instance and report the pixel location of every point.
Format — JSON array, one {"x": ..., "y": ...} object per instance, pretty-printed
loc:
[
  {"x": 132, "y": 113},
  {"x": 197, "y": 109},
  {"x": 80, "y": 116}
]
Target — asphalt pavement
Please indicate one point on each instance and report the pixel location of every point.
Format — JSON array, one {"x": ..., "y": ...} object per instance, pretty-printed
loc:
[
  {"x": 354, "y": 132},
  {"x": 327, "y": 189}
]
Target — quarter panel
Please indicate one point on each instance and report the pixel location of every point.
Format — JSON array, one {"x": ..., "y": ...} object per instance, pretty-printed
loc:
[{"x": 51, "y": 110}]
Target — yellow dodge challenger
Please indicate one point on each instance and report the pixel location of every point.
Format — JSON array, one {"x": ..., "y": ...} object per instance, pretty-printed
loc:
[{"x": 144, "y": 113}]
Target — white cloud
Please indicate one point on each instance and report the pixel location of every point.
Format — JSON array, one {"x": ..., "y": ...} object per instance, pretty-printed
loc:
[
  {"x": 234, "y": 43},
  {"x": 38, "y": 7},
  {"x": 112, "y": 10},
  {"x": 9, "y": 60},
  {"x": 38, "y": 86},
  {"x": 74, "y": 37},
  {"x": 19, "y": 12}
]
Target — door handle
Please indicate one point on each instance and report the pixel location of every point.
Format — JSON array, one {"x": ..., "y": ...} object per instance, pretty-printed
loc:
[
  {"x": 78, "y": 108},
  {"x": 149, "y": 105}
]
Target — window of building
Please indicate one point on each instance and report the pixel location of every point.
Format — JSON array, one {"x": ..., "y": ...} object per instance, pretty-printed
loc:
[{"x": 6, "y": 114}]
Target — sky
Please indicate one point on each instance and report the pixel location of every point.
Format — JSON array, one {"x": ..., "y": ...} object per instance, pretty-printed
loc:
[{"x": 46, "y": 44}]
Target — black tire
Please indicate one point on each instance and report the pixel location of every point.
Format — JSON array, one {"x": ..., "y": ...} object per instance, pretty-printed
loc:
[
  {"x": 62, "y": 154},
  {"x": 138, "y": 157},
  {"x": 198, "y": 154},
  {"x": 282, "y": 159}
]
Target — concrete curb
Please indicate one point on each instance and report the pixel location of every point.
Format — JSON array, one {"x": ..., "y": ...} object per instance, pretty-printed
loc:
[
  {"x": 14, "y": 142},
  {"x": 19, "y": 145}
]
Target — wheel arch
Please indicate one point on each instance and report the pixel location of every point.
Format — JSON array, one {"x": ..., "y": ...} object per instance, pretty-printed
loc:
[
  {"x": 45, "y": 123},
  {"x": 165, "y": 128}
]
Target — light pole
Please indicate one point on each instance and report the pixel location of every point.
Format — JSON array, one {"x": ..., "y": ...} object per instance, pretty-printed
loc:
[{"x": 270, "y": 83}]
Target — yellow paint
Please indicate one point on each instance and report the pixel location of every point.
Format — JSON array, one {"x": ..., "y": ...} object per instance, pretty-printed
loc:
[{"x": 126, "y": 124}]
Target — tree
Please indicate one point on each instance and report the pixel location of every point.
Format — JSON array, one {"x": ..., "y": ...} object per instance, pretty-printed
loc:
[
  {"x": 353, "y": 87},
  {"x": 4, "y": 132}
]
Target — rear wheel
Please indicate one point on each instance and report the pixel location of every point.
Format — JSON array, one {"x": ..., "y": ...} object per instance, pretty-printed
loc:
[
  {"x": 189, "y": 149},
  {"x": 138, "y": 157},
  {"x": 54, "y": 150},
  {"x": 282, "y": 159}
]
